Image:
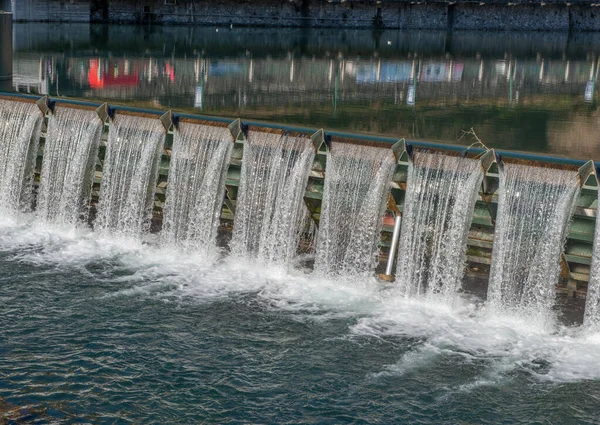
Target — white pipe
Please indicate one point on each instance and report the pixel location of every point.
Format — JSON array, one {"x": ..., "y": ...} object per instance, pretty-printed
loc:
[{"x": 394, "y": 245}]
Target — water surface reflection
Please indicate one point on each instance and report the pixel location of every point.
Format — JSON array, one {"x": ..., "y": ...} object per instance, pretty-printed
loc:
[{"x": 533, "y": 92}]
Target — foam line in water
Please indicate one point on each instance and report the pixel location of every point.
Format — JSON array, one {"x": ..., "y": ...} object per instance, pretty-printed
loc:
[
  {"x": 196, "y": 187},
  {"x": 535, "y": 205},
  {"x": 67, "y": 173},
  {"x": 270, "y": 204},
  {"x": 356, "y": 190},
  {"x": 440, "y": 198},
  {"x": 503, "y": 346},
  {"x": 129, "y": 175},
  {"x": 20, "y": 127}
]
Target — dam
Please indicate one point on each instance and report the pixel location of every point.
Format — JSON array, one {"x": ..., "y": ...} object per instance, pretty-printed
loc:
[
  {"x": 416, "y": 212},
  {"x": 207, "y": 224}
]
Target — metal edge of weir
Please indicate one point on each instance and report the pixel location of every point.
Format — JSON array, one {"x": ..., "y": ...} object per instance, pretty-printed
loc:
[{"x": 355, "y": 136}]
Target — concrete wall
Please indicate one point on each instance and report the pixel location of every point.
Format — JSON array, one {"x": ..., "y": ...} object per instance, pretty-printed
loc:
[
  {"x": 52, "y": 10},
  {"x": 397, "y": 14}
]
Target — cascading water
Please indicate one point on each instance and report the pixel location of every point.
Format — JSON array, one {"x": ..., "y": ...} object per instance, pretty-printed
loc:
[
  {"x": 70, "y": 154},
  {"x": 440, "y": 198},
  {"x": 20, "y": 127},
  {"x": 356, "y": 190},
  {"x": 129, "y": 175},
  {"x": 195, "y": 188},
  {"x": 591, "y": 318},
  {"x": 535, "y": 205},
  {"x": 270, "y": 204}
]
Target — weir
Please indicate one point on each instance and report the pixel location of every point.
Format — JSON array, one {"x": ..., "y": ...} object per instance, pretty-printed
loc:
[
  {"x": 270, "y": 206},
  {"x": 20, "y": 129},
  {"x": 129, "y": 175},
  {"x": 440, "y": 198},
  {"x": 342, "y": 183},
  {"x": 70, "y": 153},
  {"x": 354, "y": 200},
  {"x": 196, "y": 184},
  {"x": 534, "y": 208}
]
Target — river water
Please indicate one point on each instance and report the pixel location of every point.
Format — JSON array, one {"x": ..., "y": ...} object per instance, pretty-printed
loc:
[
  {"x": 520, "y": 91},
  {"x": 100, "y": 329}
]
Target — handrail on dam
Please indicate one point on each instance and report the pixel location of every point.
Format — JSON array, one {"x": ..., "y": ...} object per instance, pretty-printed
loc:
[{"x": 354, "y": 136}]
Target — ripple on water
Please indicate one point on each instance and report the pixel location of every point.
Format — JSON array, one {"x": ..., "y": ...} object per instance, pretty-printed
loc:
[{"x": 108, "y": 330}]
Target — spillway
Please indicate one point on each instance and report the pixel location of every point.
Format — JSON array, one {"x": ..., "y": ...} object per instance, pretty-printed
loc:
[
  {"x": 270, "y": 206},
  {"x": 356, "y": 190},
  {"x": 535, "y": 205},
  {"x": 20, "y": 127},
  {"x": 440, "y": 198},
  {"x": 195, "y": 188},
  {"x": 130, "y": 172},
  {"x": 70, "y": 153}
]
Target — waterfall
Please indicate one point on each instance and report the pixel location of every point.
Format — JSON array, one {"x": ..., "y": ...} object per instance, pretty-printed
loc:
[
  {"x": 67, "y": 174},
  {"x": 130, "y": 172},
  {"x": 534, "y": 209},
  {"x": 440, "y": 198},
  {"x": 20, "y": 128},
  {"x": 591, "y": 318},
  {"x": 196, "y": 186},
  {"x": 356, "y": 191},
  {"x": 270, "y": 204}
]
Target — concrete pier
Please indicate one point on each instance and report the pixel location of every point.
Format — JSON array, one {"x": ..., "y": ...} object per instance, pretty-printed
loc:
[{"x": 6, "y": 53}]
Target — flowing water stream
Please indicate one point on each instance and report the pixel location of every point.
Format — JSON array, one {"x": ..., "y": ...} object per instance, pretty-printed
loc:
[
  {"x": 67, "y": 174},
  {"x": 535, "y": 205},
  {"x": 130, "y": 171},
  {"x": 354, "y": 199},
  {"x": 440, "y": 197},
  {"x": 20, "y": 127},
  {"x": 196, "y": 186},
  {"x": 270, "y": 208}
]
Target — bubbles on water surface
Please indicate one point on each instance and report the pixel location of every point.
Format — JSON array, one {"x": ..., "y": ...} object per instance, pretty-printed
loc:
[{"x": 426, "y": 333}]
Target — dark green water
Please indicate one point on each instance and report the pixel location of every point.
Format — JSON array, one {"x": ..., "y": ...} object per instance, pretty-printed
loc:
[
  {"x": 96, "y": 330},
  {"x": 519, "y": 91}
]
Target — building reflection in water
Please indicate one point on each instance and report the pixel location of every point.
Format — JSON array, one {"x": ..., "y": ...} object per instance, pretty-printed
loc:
[{"x": 535, "y": 92}]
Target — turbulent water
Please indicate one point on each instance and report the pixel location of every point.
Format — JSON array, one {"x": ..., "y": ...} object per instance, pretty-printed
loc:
[
  {"x": 534, "y": 209},
  {"x": 354, "y": 200},
  {"x": 129, "y": 174},
  {"x": 70, "y": 154},
  {"x": 20, "y": 126},
  {"x": 440, "y": 198},
  {"x": 196, "y": 187},
  {"x": 592, "y": 301},
  {"x": 270, "y": 204},
  {"x": 98, "y": 330}
]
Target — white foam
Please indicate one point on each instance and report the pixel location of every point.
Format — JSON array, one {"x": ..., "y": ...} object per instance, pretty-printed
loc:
[{"x": 503, "y": 344}]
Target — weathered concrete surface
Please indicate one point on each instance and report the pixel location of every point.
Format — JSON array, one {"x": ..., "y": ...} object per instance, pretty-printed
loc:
[{"x": 516, "y": 15}]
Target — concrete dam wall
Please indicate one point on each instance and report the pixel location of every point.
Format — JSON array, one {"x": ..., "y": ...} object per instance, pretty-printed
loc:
[{"x": 396, "y": 14}]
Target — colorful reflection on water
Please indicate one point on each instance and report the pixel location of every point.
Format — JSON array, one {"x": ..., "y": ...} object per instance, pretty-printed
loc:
[{"x": 533, "y": 92}]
